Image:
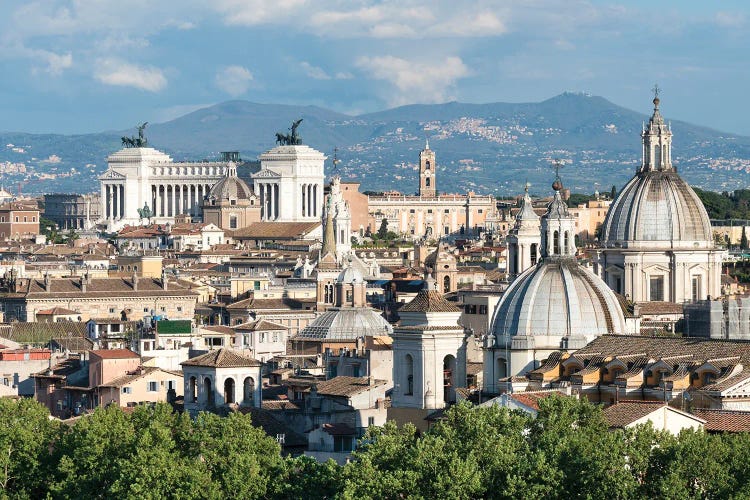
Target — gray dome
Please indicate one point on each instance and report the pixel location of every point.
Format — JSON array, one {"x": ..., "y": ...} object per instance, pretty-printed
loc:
[
  {"x": 346, "y": 323},
  {"x": 230, "y": 187},
  {"x": 657, "y": 206},
  {"x": 558, "y": 298}
]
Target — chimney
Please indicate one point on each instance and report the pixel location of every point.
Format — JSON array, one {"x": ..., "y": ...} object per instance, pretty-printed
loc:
[
  {"x": 164, "y": 280},
  {"x": 46, "y": 282},
  {"x": 135, "y": 282},
  {"x": 83, "y": 283}
]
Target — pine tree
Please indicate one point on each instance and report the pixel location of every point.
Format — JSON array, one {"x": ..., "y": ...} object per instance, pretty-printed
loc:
[{"x": 743, "y": 239}]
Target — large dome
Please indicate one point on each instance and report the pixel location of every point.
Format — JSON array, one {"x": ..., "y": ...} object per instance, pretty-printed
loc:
[
  {"x": 230, "y": 187},
  {"x": 346, "y": 324},
  {"x": 657, "y": 206},
  {"x": 557, "y": 298}
]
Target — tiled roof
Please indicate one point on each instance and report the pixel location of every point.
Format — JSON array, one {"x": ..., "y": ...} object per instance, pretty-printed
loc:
[
  {"x": 223, "y": 358},
  {"x": 115, "y": 353},
  {"x": 275, "y": 230},
  {"x": 429, "y": 301},
  {"x": 273, "y": 427},
  {"x": 73, "y": 344},
  {"x": 531, "y": 399},
  {"x": 41, "y": 333},
  {"x": 218, "y": 329},
  {"x": 99, "y": 287},
  {"x": 347, "y": 386},
  {"x": 626, "y": 412},
  {"x": 269, "y": 304},
  {"x": 660, "y": 308},
  {"x": 662, "y": 347},
  {"x": 724, "y": 420},
  {"x": 57, "y": 311},
  {"x": 148, "y": 370},
  {"x": 339, "y": 429},
  {"x": 260, "y": 325}
]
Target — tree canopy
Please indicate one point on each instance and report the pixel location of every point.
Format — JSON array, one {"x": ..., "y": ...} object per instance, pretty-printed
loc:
[{"x": 567, "y": 451}]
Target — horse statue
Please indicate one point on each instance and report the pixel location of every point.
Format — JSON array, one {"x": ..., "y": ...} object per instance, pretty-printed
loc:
[
  {"x": 136, "y": 142},
  {"x": 291, "y": 139}
]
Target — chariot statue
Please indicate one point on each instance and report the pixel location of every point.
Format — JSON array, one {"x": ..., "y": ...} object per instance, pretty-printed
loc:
[
  {"x": 136, "y": 142},
  {"x": 291, "y": 139}
]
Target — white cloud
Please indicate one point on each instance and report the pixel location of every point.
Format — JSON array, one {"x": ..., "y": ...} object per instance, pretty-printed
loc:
[
  {"x": 318, "y": 73},
  {"x": 234, "y": 80},
  {"x": 415, "y": 81},
  {"x": 254, "y": 12},
  {"x": 55, "y": 63},
  {"x": 729, "y": 19},
  {"x": 119, "y": 73}
]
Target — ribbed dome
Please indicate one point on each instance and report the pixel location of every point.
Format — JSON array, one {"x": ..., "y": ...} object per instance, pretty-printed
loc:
[
  {"x": 346, "y": 323},
  {"x": 231, "y": 187},
  {"x": 558, "y": 298},
  {"x": 657, "y": 206}
]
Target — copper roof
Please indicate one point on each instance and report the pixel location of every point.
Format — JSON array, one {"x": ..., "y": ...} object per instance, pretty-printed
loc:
[{"x": 223, "y": 358}]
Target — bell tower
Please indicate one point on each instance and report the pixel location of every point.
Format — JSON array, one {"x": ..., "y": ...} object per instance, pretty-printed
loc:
[{"x": 427, "y": 170}]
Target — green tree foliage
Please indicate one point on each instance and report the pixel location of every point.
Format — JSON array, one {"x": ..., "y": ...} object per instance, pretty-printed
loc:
[
  {"x": 613, "y": 192},
  {"x": 567, "y": 451},
  {"x": 383, "y": 230},
  {"x": 743, "y": 239},
  {"x": 25, "y": 435},
  {"x": 735, "y": 205}
]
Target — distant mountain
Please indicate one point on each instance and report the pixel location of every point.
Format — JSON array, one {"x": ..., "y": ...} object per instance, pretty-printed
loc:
[{"x": 488, "y": 148}]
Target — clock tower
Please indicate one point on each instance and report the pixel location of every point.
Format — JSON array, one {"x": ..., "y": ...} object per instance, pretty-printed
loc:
[{"x": 427, "y": 171}]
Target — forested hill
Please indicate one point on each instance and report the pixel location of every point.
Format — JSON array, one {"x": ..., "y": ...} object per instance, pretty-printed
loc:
[{"x": 489, "y": 148}]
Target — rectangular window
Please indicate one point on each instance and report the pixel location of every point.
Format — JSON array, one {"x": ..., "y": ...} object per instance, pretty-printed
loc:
[
  {"x": 482, "y": 309},
  {"x": 411, "y": 211},
  {"x": 480, "y": 211},
  {"x": 275, "y": 336},
  {"x": 179, "y": 308},
  {"x": 153, "y": 386},
  {"x": 171, "y": 385},
  {"x": 446, "y": 211},
  {"x": 111, "y": 310},
  {"x": 429, "y": 210},
  {"x": 696, "y": 288},
  {"x": 370, "y": 421},
  {"x": 145, "y": 309},
  {"x": 25, "y": 219},
  {"x": 656, "y": 288},
  {"x": 127, "y": 390},
  {"x": 262, "y": 337}
]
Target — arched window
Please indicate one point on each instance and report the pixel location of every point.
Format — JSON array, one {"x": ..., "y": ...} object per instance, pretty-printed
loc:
[
  {"x": 657, "y": 156},
  {"x": 248, "y": 390},
  {"x": 533, "y": 254},
  {"x": 427, "y": 164},
  {"x": 409, "y": 378},
  {"x": 427, "y": 182},
  {"x": 208, "y": 395},
  {"x": 446, "y": 284},
  {"x": 193, "y": 390},
  {"x": 229, "y": 391},
  {"x": 449, "y": 369},
  {"x": 502, "y": 368},
  {"x": 567, "y": 242},
  {"x": 556, "y": 243}
]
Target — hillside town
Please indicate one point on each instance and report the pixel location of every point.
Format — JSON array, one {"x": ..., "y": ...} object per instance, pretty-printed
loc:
[{"x": 276, "y": 289}]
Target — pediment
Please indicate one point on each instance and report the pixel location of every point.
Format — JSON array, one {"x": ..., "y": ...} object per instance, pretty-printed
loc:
[
  {"x": 266, "y": 173},
  {"x": 111, "y": 175}
]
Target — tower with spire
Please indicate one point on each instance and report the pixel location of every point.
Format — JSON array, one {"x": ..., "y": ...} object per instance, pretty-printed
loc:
[
  {"x": 427, "y": 171},
  {"x": 558, "y": 227},
  {"x": 525, "y": 238}
]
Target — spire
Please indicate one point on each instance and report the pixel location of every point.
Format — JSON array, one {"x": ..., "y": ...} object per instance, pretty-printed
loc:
[
  {"x": 427, "y": 144},
  {"x": 558, "y": 225},
  {"x": 527, "y": 208},
  {"x": 329, "y": 242}
]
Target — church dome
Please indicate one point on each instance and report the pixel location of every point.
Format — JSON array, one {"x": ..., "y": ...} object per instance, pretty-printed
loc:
[
  {"x": 346, "y": 323},
  {"x": 230, "y": 187},
  {"x": 657, "y": 206},
  {"x": 555, "y": 299}
]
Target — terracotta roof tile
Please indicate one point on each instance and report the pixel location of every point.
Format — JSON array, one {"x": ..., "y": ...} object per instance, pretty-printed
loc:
[
  {"x": 223, "y": 358},
  {"x": 275, "y": 230},
  {"x": 346, "y": 386},
  {"x": 626, "y": 412},
  {"x": 115, "y": 353},
  {"x": 724, "y": 420},
  {"x": 660, "y": 308},
  {"x": 429, "y": 301}
]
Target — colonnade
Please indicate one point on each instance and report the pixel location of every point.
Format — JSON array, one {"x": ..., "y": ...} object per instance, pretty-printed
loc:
[
  {"x": 309, "y": 200},
  {"x": 114, "y": 204},
  {"x": 169, "y": 200},
  {"x": 269, "y": 201}
]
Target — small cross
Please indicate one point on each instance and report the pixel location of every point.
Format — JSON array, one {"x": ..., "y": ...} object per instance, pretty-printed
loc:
[
  {"x": 557, "y": 165},
  {"x": 656, "y": 90},
  {"x": 527, "y": 186},
  {"x": 335, "y": 158}
]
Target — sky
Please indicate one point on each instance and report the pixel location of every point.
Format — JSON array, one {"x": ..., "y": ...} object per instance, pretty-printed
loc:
[{"x": 78, "y": 66}]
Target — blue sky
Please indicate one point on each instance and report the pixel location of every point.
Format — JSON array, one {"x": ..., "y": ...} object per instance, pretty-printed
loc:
[{"x": 74, "y": 66}]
